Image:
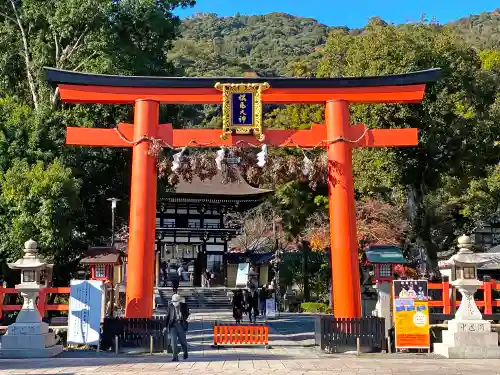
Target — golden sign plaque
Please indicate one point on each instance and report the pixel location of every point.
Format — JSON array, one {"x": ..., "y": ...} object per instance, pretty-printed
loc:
[{"x": 242, "y": 108}]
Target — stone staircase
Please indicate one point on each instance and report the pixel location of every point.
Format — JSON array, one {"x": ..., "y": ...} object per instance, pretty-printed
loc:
[{"x": 198, "y": 299}]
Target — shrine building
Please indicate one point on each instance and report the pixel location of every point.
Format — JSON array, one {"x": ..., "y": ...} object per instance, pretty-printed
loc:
[{"x": 191, "y": 231}]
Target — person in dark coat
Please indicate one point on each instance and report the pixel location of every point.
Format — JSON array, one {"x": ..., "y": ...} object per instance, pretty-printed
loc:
[
  {"x": 238, "y": 306},
  {"x": 177, "y": 315},
  {"x": 164, "y": 271},
  {"x": 263, "y": 296},
  {"x": 175, "y": 284},
  {"x": 252, "y": 303}
]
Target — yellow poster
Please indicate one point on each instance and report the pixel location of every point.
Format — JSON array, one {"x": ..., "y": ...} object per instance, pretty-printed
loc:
[{"x": 411, "y": 323}]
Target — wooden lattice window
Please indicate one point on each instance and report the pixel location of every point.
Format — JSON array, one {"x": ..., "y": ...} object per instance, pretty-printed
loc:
[{"x": 100, "y": 271}]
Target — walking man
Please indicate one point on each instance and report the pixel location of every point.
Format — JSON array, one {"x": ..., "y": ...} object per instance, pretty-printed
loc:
[
  {"x": 177, "y": 315},
  {"x": 263, "y": 296},
  {"x": 252, "y": 303},
  {"x": 206, "y": 278},
  {"x": 175, "y": 284}
]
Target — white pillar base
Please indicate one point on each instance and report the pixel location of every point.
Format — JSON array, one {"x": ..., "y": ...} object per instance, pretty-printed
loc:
[
  {"x": 29, "y": 337},
  {"x": 468, "y": 339}
]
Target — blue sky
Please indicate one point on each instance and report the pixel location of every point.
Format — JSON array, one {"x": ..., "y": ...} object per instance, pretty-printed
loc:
[{"x": 353, "y": 13}]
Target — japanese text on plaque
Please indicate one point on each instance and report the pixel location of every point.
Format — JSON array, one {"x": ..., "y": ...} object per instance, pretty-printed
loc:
[{"x": 242, "y": 108}]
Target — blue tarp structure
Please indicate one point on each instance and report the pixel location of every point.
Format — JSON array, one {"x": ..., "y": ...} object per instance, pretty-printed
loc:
[{"x": 385, "y": 254}]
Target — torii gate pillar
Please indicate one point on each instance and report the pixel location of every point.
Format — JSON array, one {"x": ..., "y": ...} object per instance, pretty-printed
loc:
[
  {"x": 343, "y": 237},
  {"x": 142, "y": 222}
]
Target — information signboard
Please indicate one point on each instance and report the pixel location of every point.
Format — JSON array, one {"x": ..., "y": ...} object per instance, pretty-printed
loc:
[
  {"x": 411, "y": 314},
  {"x": 270, "y": 308},
  {"x": 84, "y": 318},
  {"x": 242, "y": 275}
]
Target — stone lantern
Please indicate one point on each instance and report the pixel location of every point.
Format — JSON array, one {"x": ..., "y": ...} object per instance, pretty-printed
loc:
[
  {"x": 29, "y": 336},
  {"x": 468, "y": 335}
]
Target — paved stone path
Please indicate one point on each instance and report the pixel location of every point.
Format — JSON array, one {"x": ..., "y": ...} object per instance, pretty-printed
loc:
[
  {"x": 287, "y": 355},
  {"x": 245, "y": 362},
  {"x": 296, "y": 327}
]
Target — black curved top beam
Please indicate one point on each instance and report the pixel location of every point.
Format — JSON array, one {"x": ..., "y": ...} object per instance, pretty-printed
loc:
[{"x": 57, "y": 76}]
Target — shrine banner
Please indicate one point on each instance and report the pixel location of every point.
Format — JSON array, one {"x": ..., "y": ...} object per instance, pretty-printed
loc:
[
  {"x": 242, "y": 275},
  {"x": 411, "y": 314},
  {"x": 84, "y": 318},
  {"x": 270, "y": 308}
]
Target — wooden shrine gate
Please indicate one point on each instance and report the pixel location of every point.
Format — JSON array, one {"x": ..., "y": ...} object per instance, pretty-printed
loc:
[{"x": 337, "y": 135}]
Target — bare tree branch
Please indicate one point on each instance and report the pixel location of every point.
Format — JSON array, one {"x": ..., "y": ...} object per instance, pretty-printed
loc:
[
  {"x": 55, "y": 97},
  {"x": 262, "y": 230},
  {"x": 85, "y": 61},
  {"x": 31, "y": 81},
  {"x": 122, "y": 233},
  {"x": 8, "y": 17},
  {"x": 56, "y": 42},
  {"x": 68, "y": 51}
]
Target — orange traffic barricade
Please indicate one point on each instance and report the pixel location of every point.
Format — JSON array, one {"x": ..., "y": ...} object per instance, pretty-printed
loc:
[{"x": 241, "y": 334}]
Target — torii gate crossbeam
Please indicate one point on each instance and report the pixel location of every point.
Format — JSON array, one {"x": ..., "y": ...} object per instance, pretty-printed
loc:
[{"x": 337, "y": 135}]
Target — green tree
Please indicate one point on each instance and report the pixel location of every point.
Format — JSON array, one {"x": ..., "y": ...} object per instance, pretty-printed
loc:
[
  {"x": 455, "y": 121},
  {"x": 109, "y": 37},
  {"x": 481, "y": 201},
  {"x": 491, "y": 60},
  {"x": 102, "y": 36},
  {"x": 317, "y": 272},
  {"x": 38, "y": 201}
]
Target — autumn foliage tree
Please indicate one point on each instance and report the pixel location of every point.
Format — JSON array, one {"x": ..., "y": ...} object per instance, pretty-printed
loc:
[{"x": 378, "y": 222}]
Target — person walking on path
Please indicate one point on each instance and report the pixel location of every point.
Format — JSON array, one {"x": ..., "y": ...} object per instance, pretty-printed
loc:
[
  {"x": 263, "y": 296},
  {"x": 180, "y": 272},
  {"x": 238, "y": 306},
  {"x": 206, "y": 278},
  {"x": 252, "y": 303},
  {"x": 177, "y": 315},
  {"x": 175, "y": 283},
  {"x": 164, "y": 272}
]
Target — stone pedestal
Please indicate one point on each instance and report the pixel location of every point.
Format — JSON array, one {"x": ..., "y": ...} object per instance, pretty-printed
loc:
[
  {"x": 29, "y": 340},
  {"x": 468, "y": 339},
  {"x": 468, "y": 336},
  {"x": 29, "y": 337}
]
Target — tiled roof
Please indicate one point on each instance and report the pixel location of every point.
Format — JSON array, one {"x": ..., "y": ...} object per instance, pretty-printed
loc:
[
  {"x": 255, "y": 258},
  {"x": 215, "y": 187},
  {"x": 102, "y": 255}
]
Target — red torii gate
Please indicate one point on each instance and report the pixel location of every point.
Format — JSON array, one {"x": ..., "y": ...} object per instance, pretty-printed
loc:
[{"x": 337, "y": 135}]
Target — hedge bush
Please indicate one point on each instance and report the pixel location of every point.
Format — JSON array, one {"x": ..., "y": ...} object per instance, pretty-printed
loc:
[{"x": 315, "y": 307}]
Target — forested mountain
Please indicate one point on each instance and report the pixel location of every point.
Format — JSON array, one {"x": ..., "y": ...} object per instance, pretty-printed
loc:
[
  {"x": 271, "y": 44},
  {"x": 482, "y": 30},
  {"x": 212, "y": 45}
]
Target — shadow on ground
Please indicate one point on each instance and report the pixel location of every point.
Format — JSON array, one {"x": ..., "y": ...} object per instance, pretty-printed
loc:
[{"x": 73, "y": 359}]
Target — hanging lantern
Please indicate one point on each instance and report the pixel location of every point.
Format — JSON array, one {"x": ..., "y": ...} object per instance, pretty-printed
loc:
[
  {"x": 308, "y": 164},
  {"x": 262, "y": 156},
  {"x": 220, "y": 157}
]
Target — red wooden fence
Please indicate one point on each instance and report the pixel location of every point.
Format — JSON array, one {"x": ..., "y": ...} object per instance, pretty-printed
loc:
[
  {"x": 42, "y": 304},
  {"x": 486, "y": 304}
]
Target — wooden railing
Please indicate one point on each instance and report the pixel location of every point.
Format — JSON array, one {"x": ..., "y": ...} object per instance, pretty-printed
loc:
[
  {"x": 338, "y": 335},
  {"x": 483, "y": 297},
  {"x": 43, "y": 306},
  {"x": 135, "y": 332}
]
